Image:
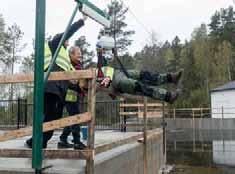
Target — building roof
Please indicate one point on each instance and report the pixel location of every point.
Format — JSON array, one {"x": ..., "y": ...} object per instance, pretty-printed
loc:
[{"x": 225, "y": 87}]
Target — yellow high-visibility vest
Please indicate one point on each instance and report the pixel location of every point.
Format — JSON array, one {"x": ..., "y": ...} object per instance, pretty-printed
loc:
[
  {"x": 63, "y": 60},
  {"x": 71, "y": 96},
  {"x": 108, "y": 71}
]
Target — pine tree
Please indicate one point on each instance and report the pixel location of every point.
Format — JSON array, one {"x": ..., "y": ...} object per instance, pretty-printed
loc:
[
  {"x": 12, "y": 46},
  {"x": 87, "y": 54},
  {"x": 215, "y": 26},
  {"x": 2, "y": 37},
  {"x": 27, "y": 64},
  {"x": 118, "y": 29}
]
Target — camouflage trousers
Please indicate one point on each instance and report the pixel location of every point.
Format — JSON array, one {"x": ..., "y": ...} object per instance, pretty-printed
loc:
[{"x": 140, "y": 83}]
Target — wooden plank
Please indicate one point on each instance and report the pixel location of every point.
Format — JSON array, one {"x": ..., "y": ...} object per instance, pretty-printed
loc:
[
  {"x": 71, "y": 120},
  {"x": 91, "y": 126},
  {"x": 141, "y": 105},
  {"x": 106, "y": 147},
  {"x": 150, "y": 114},
  {"x": 128, "y": 113},
  {"x": 140, "y": 114},
  {"x": 138, "y": 125},
  {"x": 153, "y": 134},
  {"x": 49, "y": 154},
  {"x": 54, "y": 76},
  {"x": 145, "y": 147}
]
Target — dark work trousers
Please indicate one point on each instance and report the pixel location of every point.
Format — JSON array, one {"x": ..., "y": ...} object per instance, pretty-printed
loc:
[
  {"x": 72, "y": 109},
  {"x": 53, "y": 110}
]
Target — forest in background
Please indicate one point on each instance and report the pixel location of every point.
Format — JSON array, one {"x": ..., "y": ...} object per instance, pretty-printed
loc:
[{"x": 207, "y": 58}]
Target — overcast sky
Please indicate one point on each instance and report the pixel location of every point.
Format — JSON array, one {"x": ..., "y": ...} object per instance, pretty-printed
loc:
[{"x": 167, "y": 18}]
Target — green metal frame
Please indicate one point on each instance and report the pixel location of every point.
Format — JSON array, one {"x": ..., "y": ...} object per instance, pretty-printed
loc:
[
  {"x": 92, "y": 6},
  {"x": 38, "y": 85}
]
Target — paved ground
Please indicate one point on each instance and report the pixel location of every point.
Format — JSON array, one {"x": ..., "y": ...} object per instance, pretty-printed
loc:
[
  {"x": 57, "y": 166},
  {"x": 101, "y": 138}
]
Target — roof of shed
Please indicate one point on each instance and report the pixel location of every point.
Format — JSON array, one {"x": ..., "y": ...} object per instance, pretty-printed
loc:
[{"x": 225, "y": 87}]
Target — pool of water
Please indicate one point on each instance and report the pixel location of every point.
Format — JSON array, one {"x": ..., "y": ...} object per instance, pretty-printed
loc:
[{"x": 200, "y": 156}]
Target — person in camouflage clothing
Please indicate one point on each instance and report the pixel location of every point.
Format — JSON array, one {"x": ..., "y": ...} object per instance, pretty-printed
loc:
[{"x": 134, "y": 82}]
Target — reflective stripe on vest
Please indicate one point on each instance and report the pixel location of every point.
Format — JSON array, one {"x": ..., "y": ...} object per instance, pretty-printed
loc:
[
  {"x": 63, "y": 60},
  {"x": 71, "y": 96},
  {"x": 108, "y": 71}
]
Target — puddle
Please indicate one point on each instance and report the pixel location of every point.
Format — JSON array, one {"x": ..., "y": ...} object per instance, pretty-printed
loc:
[{"x": 201, "y": 157}]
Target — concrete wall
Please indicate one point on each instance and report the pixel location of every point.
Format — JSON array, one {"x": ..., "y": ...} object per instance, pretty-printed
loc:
[
  {"x": 205, "y": 129},
  {"x": 201, "y": 123},
  {"x": 128, "y": 159}
]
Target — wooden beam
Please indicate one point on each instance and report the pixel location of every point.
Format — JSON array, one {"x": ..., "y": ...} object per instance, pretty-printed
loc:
[
  {"x": 139, "y": 125},
  {"x": 106, "y": 147},
  {"x": 150, "y": 114},
  {"x": 91, "y": 125},
  {"x": 153, "y": 134},
  {"x": 140, "y": 114},
  {"x": 128, "y": 113},
  {"x": 145, "y": 147},
  {"x": 71, "y": 120},
  {"x": 49, "y": 154},
  {"x": 54, "y": 76},
  {"x": 141, "y": 105}
]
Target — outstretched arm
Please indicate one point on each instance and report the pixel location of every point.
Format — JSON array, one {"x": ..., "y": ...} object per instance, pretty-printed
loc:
[{"x": 73, "y": 29}]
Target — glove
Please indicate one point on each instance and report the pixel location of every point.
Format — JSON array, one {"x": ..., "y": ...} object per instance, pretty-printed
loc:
[{"x": 106, "y": 82}]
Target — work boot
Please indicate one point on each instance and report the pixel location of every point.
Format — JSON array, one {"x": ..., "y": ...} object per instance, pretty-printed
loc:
[
  {"x": 171, "y": 97},
  {"x": 79, "y": 146},
  {"x": 29, "y": 144},
  {"x": 175, "y": 77},
  {"x": 64, "y": 144}
]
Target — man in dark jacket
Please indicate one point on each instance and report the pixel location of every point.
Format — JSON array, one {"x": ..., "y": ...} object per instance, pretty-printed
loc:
[
  {"x": 55, "y": 91},
  {"x": 72, "y": 106}
]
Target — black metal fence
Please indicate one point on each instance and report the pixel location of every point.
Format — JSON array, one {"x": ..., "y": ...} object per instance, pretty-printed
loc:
[
  {"x": 18, "y": 113},
  {"x": 13, "y": 113},
  {"x": 107, "y": 114}
]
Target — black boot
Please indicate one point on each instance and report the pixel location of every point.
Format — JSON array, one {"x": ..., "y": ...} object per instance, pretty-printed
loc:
[
  {"x": 29, "y": 144},
  {"x": 62, "y": 144},
  {"x": 175, "y": 77},
  {"x": 79, "y": 146},
  {"x": 171, "y": 97}
]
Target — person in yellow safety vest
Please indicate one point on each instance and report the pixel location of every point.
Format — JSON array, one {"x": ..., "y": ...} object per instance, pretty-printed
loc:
[
  {"x": 72, "y": 106},
  {"x": 55, "y": 91}
]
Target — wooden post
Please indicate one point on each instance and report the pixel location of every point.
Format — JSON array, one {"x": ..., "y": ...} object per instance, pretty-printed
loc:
[
  {"x": 145, "y": 137},
  {"x": 201, "y": 113},
  {"x": 222, "y": 117},
  {"x": 194, "y": 133},
  {"x": 222, "y": 110},
  {"x": 122, "y": 117},
  {"x": 164, "y": 129},
  {"x": 174, "y": 113},
  {"x": 91, "y": 124},
  {"x": 18, "y": 113}
]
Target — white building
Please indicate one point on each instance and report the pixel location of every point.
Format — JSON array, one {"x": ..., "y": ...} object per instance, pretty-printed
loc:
[{"x": 223, "y": 101}]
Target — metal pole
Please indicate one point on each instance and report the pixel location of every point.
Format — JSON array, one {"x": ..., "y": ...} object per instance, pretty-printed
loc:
[
  {"x": 38, "y": 85},
  {"x": 61, "y": 43},
  {"x": 18, "y": 113}
]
